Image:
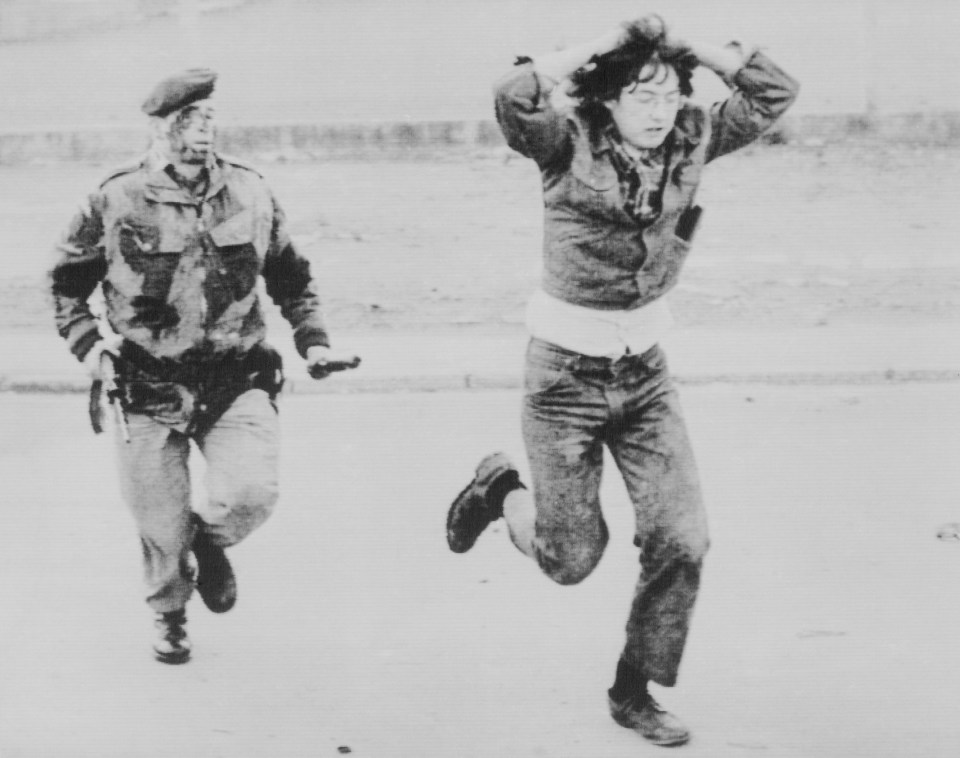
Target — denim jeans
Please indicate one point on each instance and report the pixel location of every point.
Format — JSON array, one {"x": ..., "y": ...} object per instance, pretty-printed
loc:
[
  {"x": 241, "y": 452},
  {"x": 574, "y": 405}
]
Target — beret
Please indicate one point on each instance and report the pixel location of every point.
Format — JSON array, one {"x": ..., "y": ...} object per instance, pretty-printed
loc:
[{"x": 180, "y": 90}]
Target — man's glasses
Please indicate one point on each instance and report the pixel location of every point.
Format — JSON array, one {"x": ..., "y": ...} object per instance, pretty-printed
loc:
[{"x": 648, "y": 100}]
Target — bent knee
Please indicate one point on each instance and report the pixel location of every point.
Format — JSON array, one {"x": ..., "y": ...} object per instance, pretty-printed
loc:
[
  {"x": 253, "y": 506},
  {"x": 238, "y": 514},
  {"x": 246, "y": 496},
  {"x": 694, "y": 550},
  {"x": 571, "y": 565},
  {"x": 258, "y": 497}
]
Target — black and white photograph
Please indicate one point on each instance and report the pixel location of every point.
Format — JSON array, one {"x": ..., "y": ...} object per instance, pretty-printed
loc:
[{"x": 481, "y": 379}]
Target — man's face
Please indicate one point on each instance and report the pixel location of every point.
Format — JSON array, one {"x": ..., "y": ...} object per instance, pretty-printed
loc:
[
  {"x": 192, "y": 133},
  {"x": 646, "y": 111}
]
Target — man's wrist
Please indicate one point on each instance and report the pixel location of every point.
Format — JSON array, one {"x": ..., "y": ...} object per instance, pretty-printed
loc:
[
  {"x": 560, "y": 64},
  {"x": 724, "y": 61},
  {"x": 83, "y": 346}
]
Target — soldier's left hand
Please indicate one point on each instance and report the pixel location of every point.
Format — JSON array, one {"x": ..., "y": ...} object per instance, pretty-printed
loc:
[{"x": 323, "y": 361}]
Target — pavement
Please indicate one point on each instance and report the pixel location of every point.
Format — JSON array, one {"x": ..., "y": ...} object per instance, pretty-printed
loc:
[
  {"x": 491, "y": 357},
  {"x": 826, "y": 625}
]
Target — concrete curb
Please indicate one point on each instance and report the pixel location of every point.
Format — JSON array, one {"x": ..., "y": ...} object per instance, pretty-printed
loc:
[
  {"x": 279, "y": 141},
  {"x": 343, "y": 385},
  {"x": 397, "y": 139}
]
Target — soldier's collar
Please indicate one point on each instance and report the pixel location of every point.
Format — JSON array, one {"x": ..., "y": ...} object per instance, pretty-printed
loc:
[{"x": 164, "y": 188}]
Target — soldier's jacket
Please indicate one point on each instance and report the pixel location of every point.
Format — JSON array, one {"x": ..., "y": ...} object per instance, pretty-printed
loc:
[{"x": 179, "y": 271}]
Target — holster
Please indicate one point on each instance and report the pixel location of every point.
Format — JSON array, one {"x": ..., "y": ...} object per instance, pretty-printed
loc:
[
  {"x": 265, "y": 365},
  {"x": 195, "y": 394}
]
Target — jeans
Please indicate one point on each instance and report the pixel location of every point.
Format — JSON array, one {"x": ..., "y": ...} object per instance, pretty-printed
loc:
[
  {"x": 574, "y": 405},
  {"x": 242, "y": 453}
]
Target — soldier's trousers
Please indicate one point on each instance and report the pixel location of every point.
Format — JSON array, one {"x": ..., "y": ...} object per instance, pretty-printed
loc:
[
  {"x": 241, "y": 452},
  {"x": 574, "y": 405}
]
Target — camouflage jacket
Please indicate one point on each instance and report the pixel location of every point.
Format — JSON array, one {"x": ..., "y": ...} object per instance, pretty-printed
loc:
[{"x": 178, "y": 270}]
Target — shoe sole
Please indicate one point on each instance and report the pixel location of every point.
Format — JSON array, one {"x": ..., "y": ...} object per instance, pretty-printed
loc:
[
  {"x": 172, "y": 659},
  {"x": 672, "y": 742},
  {"x": 659, "y": 743}
]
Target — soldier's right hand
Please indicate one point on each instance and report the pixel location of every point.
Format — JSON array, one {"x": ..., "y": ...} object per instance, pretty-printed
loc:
[
  {"x": 93, "y": 360},
  {"x": 323, "y": 361}
]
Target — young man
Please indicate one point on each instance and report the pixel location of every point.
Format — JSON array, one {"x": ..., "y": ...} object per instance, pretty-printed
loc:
[
  {"x": 177, "y": 240},
  {"x": 620, "y": 150}
]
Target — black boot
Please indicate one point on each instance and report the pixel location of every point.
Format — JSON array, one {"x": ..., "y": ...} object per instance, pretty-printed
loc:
[
  {"x": 172, "y": 644},
  {"x": 481, "y": 502},
  {"x": 643, "y": 714},
  {"x": 632, "y": 706},
  {"x": 215, "y": 580}
]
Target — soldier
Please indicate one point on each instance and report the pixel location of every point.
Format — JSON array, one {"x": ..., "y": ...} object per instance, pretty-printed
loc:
[
  {"x": 176, "y": 240},
  {"x": 620, "y": 150}
]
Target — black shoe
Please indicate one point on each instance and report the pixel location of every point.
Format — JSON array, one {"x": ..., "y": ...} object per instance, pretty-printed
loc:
[
  {"x": 172, "y": 645},
  {"x": 642, "y": 714},
  {"x": 481, "y": 502},
  {"x": 215, "y": 580}
]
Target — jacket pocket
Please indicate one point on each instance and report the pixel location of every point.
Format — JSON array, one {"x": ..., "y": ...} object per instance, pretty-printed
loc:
[
  {"x": 234, "y": 264},
  {"x": 235, "y": 231},
  {"x": 594, "y": 184},
  {"x": 661, "y": 270},
  {"x": 595, "y": 175},
  {"x": 137, "y": 239},
  {"x": 688, "y": 222},
  {"x": 152, "y": 253}
]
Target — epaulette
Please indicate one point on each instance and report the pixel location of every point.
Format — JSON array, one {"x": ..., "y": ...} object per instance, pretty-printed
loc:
[
  {"x": 239, "y": 163},
  {"x": 126, "y": 168}
]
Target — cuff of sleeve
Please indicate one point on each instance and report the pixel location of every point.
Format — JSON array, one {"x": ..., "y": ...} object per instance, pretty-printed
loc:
[
  {"x": 542, "y": 85},
  {"x": 746, "y": 53},
  {"x": 545, "y": 84},
  {"x": 306, "y": 339},
  {"x": 82, "y": 346}
]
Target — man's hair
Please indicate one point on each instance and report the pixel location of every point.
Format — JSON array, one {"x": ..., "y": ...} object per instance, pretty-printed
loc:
[{"x": 604, "y": 78}]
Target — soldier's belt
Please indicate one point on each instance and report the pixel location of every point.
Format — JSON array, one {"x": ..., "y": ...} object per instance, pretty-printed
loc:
[{"x": 137, "y": 364}]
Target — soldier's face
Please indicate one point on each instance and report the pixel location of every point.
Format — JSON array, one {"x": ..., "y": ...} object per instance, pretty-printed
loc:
[
  {"x": 192, "y": 133},
  {"x": 646, "y": 111}
]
